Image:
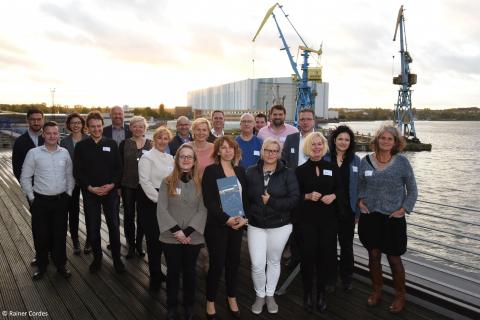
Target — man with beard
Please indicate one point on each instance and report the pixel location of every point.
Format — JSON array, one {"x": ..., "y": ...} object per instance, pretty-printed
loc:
[{"x": 277, "y": 128}]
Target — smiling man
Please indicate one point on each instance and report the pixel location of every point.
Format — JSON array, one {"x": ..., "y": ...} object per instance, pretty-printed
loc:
[
  {"x": 277, "y": 128},
  {"x": 117, "y": 130},
  {"x": 48, "y": 183},
  {"x": 97, "y": 170}
]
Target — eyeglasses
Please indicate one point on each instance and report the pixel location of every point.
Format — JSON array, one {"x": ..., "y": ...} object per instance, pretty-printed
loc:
[
  {"x": 186, "y": 157},
  {"x": 270, "y": 151}
]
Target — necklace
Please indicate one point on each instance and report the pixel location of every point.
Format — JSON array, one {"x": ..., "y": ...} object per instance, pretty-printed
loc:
[{"x": 383, "y": 162}]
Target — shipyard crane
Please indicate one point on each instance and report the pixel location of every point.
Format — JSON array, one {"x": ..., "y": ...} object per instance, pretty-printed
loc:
[
  {"x": 305, "y": 98},
  {"x": 404, "y": 118}
]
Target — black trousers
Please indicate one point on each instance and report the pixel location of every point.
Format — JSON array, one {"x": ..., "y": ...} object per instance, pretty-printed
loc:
[
  {"x": 129, "y": 198},
  {"x": 317, "y": 255},
  {"x": 147, "y": 216},
  {"x": 74, "y": 212},
  {"x": 93, "y": 210},
  {"x": 345, "y": 233},
  {"x": 181, "y": 260},
  {"x": 224, "y": 245},
  {"x": 49, "y": 227}
]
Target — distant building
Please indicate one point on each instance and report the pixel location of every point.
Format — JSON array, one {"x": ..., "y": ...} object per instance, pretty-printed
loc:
[{"x": 256, "y": 95}]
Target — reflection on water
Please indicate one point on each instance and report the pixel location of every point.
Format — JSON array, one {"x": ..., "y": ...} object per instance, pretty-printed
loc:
[{"x": 449, "y": 174}]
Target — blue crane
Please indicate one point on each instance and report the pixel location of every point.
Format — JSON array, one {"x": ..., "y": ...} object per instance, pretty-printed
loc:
[
  {"x": 305, "y": 98},
  {"x": 403, "y": 116}
]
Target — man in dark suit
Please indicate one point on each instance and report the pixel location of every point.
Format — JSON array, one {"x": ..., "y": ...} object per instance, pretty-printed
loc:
[
  {"x": 183, "y": 135},
  {"x": 30, "y": 139},
  {"x": 292, "y": 153},
  {"x": 293, "y": 156},
  {"x": 117, "y": 131},
  {"x": 218, "y": 123}
]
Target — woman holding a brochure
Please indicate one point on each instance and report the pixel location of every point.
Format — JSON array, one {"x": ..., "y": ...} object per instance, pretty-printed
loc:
[
  {"x": 272, "y": 194},
  {"x": 224, "y": 230}
]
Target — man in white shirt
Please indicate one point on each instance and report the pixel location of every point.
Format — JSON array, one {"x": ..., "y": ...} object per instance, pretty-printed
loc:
[{"x": 48, "y": 182}]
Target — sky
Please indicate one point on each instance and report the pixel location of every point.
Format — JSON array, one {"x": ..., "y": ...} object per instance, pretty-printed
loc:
[{"x": 146, "y": 52}]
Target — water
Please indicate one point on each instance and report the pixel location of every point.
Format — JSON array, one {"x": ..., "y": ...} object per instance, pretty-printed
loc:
[{"x": 449, "y": 175}]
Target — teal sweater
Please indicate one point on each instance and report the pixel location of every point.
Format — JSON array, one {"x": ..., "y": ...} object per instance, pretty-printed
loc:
[{"x": 389, "y": 189}]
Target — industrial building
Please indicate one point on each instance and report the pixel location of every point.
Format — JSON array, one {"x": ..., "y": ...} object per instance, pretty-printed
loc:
[{"x": 257, "y": 95}]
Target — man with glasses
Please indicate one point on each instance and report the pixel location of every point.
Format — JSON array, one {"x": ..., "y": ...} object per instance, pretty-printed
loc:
[
  {"x": 292, "y": 153},
  {"x": 248, "y": 142},
  {"x": 277, "y": 128},
  {"x": 183, "y": 135},
  {"x": 30, "y": 139}
]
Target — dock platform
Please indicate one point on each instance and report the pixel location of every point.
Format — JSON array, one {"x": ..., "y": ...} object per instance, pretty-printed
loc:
[{"x": 108, "y": 295}]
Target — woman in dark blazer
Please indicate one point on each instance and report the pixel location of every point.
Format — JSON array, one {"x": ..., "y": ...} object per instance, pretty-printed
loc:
[
  {"x": 316, "y": 219},
  {"x": 223, "y": 233},
  {"x": 76, "y": 125}
]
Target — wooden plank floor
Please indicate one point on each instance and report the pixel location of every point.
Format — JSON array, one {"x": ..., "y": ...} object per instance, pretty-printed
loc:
[{"x": 107, "y": 295}]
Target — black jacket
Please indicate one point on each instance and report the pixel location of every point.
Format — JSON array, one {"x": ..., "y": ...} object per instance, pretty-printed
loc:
[
  {"x": 20, "y": 148},
  {"x": 211, "y": 197},
  {"x": 175, "y": 143},
  {"x": 284, "y": 195}
]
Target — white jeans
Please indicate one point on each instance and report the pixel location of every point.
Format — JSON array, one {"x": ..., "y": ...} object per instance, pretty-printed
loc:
[{"x": 266, "y": 247}]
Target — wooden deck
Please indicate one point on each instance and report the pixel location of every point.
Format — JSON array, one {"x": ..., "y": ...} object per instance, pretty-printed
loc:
[{"x": 108, "y": 295}]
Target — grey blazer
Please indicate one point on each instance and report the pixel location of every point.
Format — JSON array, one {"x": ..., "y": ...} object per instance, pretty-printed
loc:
[
  {"x": 290, "y": 150},
  {"x": 67, "y": 143}
]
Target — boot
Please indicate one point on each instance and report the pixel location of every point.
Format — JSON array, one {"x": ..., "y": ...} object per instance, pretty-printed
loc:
[
  {"x": 308, "y": 301},
  {"x": 377, "y": 283},
  {"x": 321, "y": 300},
  {"x": 399, "y": 284}
]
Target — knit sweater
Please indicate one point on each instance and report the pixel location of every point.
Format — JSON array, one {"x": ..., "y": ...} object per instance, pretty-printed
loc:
[
  {"x": 389, "y": 189},
  {"x": 184, "y": 210}
]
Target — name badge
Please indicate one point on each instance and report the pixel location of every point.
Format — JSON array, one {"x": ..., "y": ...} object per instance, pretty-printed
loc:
[
  {"x": 355, "y": 168},
  {"x": 327, "y": 172},
  {"x": 368, "y": 173},
  {"x": 282, "y": 139},
  {"x": 256, "y": 152},
  {"x": 179, "y": 191},
  {"x": 292, "y": 150},
  {"x": 106, "y": 149},
  {"x": 144, "y": 151}
]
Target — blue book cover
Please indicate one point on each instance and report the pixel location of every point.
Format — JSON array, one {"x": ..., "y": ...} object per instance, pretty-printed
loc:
[{"x": 230, "y": 196}]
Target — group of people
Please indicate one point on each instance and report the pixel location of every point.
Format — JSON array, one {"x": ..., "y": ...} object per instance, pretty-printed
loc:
[{"x": 294, "y": 187}]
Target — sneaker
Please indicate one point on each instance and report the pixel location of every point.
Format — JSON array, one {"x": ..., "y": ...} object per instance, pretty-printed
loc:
[
  {"x": 257, "y": 307},
  {"x": 272, "y": 306}
]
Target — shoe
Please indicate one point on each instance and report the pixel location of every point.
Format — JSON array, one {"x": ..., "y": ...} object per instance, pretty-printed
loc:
[
  {"x": 95, "y": 266},
  {"x": 172, "y": 314},
  {"x": 308, "y": 302},
  {"x": 398, "y": 303},
  {"x": 377, "y": 283},
  {"x": 236, "y": 313},
  {"x": 64, "y": 272},
  {"x": 33, "y": 263},
  {"x": 347, "y": 284},
  {"x": 140, "y": 252},
  {"x": 119, "y": 266},
  {"x": 272, "y": 306},
  {"x": 163, "y": 277},
  {"x": 109, "y": 247},
  {"x": 131, "y": 253},
  {"x": 76, "y": 247},
  {"x": 321, "y": 301},
  {"x": 38, "y": 275},
  {"x": 87, "y": 249},
  {"x": 212, "y": 316},
  {"x": 188, "y": 312},
  {"x": 257, "y": 306}
]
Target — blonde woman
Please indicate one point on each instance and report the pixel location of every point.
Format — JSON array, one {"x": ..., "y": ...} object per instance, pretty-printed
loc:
[
  {"x": 131, "y": 150},
  {"x": 316, "y": 219},
  {"x": 272, "y": 195},
  {"x": 181, "y": 216},
  {"x": 153, "y": 167},
  {"x": 203, "y": 149}
]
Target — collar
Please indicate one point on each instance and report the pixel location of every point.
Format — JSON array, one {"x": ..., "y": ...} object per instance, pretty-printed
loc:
[
  {"x": 214, "y": 133},
  {"x": 44, "y": 148},
  {"x": 38, "y": 133}
]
